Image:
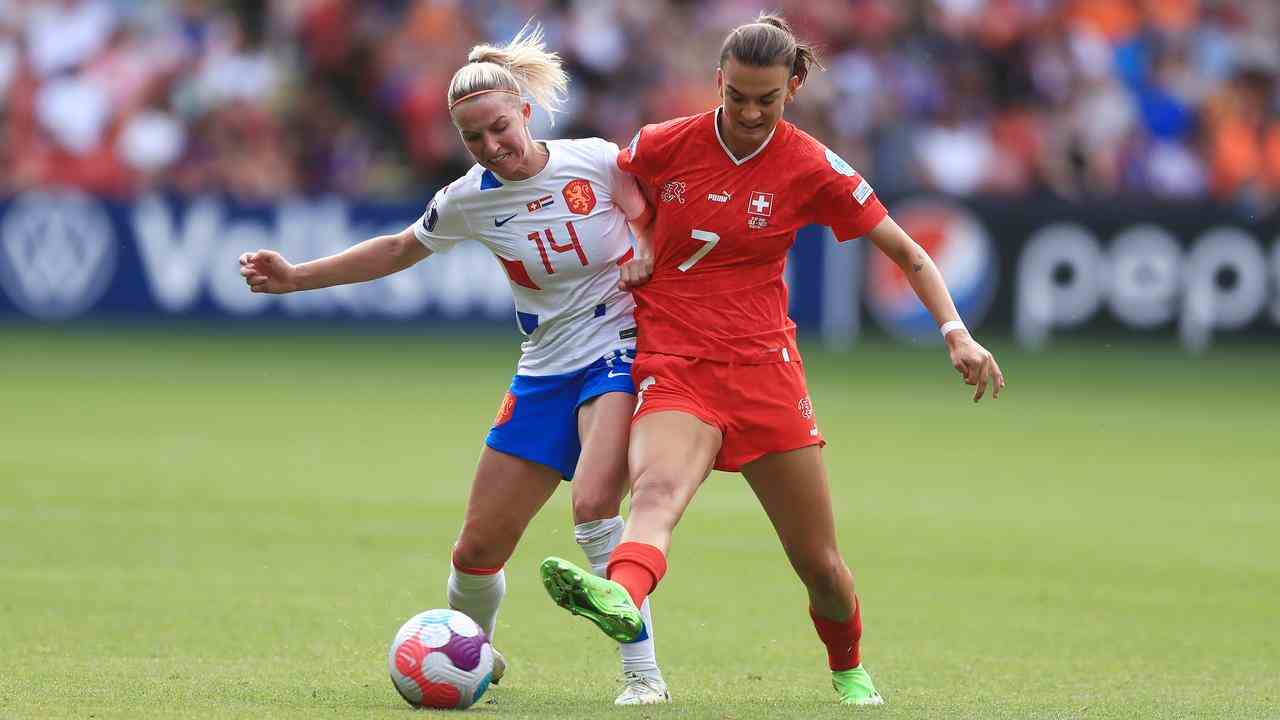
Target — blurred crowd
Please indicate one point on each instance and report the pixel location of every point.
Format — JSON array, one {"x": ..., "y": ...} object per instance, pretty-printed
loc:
[{"x": 1080, "y": 99}]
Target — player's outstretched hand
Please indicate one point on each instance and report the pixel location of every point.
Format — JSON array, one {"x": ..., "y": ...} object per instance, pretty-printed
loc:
[
  {"x": 266, "y": 271},
  {"x": 975, "y": 364},
  {"x": 635, "y": 271}
]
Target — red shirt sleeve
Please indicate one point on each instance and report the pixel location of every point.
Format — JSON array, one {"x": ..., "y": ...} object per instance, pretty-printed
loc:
[
  {"x": 636, "y": 161},
  {"x": 844, "y": 200}
]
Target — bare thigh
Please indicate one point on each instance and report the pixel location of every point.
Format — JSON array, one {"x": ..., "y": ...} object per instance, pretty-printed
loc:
[
  {"x": 505, "y": 495},
  {"x": 792, "y": 487},
  {"x": 671, "y": 454},
  {"x": 600, "y": 480}
]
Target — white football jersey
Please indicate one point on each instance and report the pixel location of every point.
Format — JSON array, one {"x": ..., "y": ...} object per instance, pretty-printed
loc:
[{"x": 561, "y": 238}]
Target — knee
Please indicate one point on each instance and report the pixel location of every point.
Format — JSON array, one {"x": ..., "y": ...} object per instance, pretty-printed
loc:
[
  {"x": 588, "y": 506},
  {"x": 598, "y": 497},
  {"x": 824, "y": 573},
  {"x": 476, "y": 552}
]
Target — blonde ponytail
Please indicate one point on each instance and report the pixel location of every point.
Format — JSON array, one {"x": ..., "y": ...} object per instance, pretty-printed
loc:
[{"x": 521, "y": 66}]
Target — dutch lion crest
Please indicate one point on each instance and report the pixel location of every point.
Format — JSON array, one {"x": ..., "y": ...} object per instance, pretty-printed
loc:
[{"x": 579, "y": 197}]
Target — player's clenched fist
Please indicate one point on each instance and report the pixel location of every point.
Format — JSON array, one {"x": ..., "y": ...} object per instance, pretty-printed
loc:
[
  {"x": 266, "y": 271},
  {"x": 635, "y": 271}
]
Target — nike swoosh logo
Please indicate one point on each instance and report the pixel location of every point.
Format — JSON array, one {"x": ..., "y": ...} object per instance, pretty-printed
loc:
[
  {"x": 503, "y": 221},
  {"x": 613, "y": 374}
]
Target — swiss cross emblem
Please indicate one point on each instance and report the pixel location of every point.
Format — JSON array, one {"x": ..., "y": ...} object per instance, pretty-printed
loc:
[
  {"x": 579, "y": 196},
  {"x": 536, "y": 205},
  {"x": 761, "y": 203}
]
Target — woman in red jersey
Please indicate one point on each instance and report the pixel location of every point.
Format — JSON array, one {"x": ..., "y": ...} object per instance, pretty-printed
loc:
[{"x": 719, "y": 377}]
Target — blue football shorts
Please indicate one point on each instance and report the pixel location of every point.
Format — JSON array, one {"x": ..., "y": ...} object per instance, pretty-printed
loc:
[{"x": 538, "y": 420}]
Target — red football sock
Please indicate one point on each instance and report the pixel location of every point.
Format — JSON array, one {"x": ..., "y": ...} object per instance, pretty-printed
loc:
[
  {"x": 841, "y": 638},
  {"x": 637, "y": 567}
]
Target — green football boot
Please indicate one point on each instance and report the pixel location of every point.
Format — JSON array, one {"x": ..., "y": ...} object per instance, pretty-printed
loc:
[
  {"x": 600, "y": 600},
  {"x": 854, "y": 687}
]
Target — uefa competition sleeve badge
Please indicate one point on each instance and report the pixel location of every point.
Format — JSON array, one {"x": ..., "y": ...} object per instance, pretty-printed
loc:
[
  {"x": 838, "y": 164},
  {"x": 433, "y": 214},
  {"x": 57, "y": 253}
]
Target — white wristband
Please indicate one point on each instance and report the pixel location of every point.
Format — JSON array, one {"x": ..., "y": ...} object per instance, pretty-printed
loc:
[{"x": 950, "y": 325}]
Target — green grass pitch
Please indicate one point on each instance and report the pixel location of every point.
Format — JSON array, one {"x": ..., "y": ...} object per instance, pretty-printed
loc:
[{"x": 230, "y": 525}]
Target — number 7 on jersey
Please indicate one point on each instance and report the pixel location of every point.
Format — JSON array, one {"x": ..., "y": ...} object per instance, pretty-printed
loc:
[{"x": 709, "y": 240}]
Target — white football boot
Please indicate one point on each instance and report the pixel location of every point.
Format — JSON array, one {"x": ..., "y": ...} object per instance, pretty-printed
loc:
[
  {"x": 643, "y": 689},
  {"x": 499, "y": 667}
]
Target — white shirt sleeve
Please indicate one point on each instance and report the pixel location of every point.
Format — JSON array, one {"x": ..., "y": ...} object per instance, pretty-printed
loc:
[
  {"x": 626, "y": 194},
  {"x": 443, "y": 225}
]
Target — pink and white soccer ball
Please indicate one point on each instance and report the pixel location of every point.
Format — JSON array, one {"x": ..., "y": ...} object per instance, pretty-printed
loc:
[{"x": 441, "y": 659}]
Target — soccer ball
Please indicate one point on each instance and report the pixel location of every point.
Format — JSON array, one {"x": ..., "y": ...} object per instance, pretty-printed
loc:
[{"x": 440, "y": 659}]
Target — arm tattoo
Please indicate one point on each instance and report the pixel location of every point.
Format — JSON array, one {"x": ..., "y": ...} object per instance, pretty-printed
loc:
[{"x": 917, "y": 267}]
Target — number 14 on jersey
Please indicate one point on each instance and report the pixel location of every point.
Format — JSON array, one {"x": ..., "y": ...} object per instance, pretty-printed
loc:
[{"x": 572, "y": 246}]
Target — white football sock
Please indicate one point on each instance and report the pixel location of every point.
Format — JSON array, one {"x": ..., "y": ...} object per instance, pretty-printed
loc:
[
  {"x": 478, "y": 596},
  {"x": 597, "y": 539}
]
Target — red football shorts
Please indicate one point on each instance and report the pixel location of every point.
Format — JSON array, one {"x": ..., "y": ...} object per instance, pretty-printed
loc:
[{"x": 758, "y": 409}]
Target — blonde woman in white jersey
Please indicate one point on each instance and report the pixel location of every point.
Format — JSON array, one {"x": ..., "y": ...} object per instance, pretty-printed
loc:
[{"x": 555, "y": 215}]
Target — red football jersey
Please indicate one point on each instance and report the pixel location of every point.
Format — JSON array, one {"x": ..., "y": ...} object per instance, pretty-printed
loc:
[{"x": 722, "y": 232}]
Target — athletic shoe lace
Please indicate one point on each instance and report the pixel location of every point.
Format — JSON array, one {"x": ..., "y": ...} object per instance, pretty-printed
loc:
[{"x": 641, "y": 683}]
